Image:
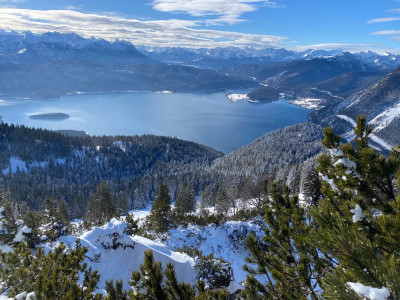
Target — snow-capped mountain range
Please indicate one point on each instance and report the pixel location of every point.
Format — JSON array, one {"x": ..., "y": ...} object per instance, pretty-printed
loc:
[
  {"x": 29, "y": 48},
  {"x": 204, "y": 57}
]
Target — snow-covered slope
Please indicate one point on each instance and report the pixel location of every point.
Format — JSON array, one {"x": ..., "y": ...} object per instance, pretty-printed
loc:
[
  {"x": 115, "y": 254},
  {"x": 380, "y": 102},
  {"x": 225, "y": 241}
]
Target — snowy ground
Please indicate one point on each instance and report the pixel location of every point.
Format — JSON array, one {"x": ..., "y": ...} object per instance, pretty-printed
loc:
[
  {"x": 239, "y": 97},
  {"x": 350, "y": 135},
  {"x": 18, "y": 164},
  {"x": 115, "y": 254},
  {"x": 385, "y": 118},
  {"x": 310, "y": 103},
  {"x": 225, "y": 241}
]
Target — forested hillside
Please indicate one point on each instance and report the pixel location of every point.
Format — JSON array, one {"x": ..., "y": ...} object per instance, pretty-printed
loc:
[
  {"x": 38, "y": 163},
  {"x": 342, "y": 246}
]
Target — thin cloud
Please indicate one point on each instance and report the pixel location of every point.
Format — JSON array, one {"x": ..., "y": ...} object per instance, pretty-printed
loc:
[
  {"x": 225, "y": 11},
  {"x": 71, "y": 7},
  {"x": 383, "y": 20},
  {"x": 386, "y": 32},
  {"x": 172, "y": 33},
  {"x": 394, "y": 10}
]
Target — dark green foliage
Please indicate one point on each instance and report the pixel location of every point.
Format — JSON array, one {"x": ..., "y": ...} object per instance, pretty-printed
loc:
[
  {"x": 9, "y": 227},
  {"x": 246, "y": 214},
  {"x": 154, "y": 283},
  {"x": 147, "y": 283},
  {"x": 207, "y": 294},
  {"x": 55, "y": 219},
  {"x": 51, "y": 276},
  {"x": 364, "y": 245},
  {"x": 160, "y": 214},
  {"x": 33, "y": 220},
  {"x": 132, "y": 225},
  {"x": 186, "y": 199},
  {"x": 102, "y": 206},
  {"x": 204, "y": 219},
  {"x": 291, "y": 267},
  {"x": 18, "y": 270},
  {"x": 214, "y": 272},
  {"x": 116, "y": 292},
  {"x": 177, "y": 290}
]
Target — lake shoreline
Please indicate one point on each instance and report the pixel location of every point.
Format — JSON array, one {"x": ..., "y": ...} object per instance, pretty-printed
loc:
[{"x": 209, "y": 119}]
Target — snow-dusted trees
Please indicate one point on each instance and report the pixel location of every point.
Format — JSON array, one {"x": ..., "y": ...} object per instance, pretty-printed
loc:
[
  {"x": 52, "y": 276},
  {"x": 358, "y": 219},
  {"x": 310, "y": 186},
  {"x": 349, "y": 239},
  {"x": 9, "y": 227},
  {"x": 289, "y": 265},
  {"x": 154, "y": 282}
]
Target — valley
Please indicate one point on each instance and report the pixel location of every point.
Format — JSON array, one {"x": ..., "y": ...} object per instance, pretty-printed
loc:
[{"x": 146, "y": 172}]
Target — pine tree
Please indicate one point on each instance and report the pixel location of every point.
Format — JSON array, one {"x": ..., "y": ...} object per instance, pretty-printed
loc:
[
  {"x": 290, "y": 266},
  {"x": 55, "y": 219},
  {"x": 161, "y": 209},
  {"x": 186, "y": 199},
  {"x": 9, "y": 226},
  {"x": 222, "y": 202},
  {"x": 60, "y": 273},
  {"x": 147, "y": 283},
  {"x": 152, "y": 282},
  {"x": 116, "y": 292},
  {"x": 102, "y": 206},
  {"x": 56, "y": 275},
  {"x": 358, "y": 219}
]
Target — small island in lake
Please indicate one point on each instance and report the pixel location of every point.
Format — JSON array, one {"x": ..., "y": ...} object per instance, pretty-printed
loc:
[{"x": 50, "y": 116}]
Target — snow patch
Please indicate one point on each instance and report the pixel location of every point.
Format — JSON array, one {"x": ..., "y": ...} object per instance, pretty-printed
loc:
[
  {"x": 309, "y": 103},
  {"x": 330, "y": 182},
  {"x": 369, "y": 292},
  {"x": 237, "y": 97},
  {"x": 385, "y": 118},
  {"x": 122, "y": 145},
  {"x": 358, "y": 214},
  {"x": 19, "y": 237},
  {"x": 115, "y": 254},
  {"x": 15, "y": 164},
  {"x": 348, "y": 119},
  {"x": 346, "y": 162},
  {"x": 381, "y": 142},
  {"x": 335, "y": 152},
  {"x": 225, "y": 241}
]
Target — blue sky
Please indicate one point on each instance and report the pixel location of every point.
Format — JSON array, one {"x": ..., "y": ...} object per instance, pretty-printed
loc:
[{"x": 295, "y": 24}]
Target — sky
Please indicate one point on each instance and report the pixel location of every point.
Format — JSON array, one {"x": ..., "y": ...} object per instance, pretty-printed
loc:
[{"x": 351, "y": 25}]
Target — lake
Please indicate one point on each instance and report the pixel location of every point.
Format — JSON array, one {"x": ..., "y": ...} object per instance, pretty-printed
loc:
[{"x": 209, "y": 119}]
